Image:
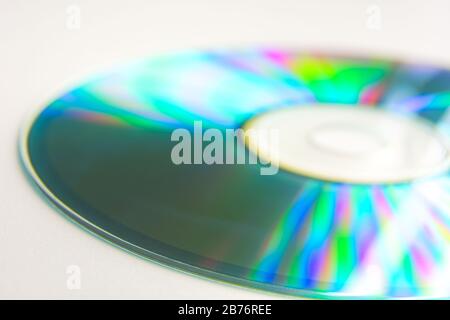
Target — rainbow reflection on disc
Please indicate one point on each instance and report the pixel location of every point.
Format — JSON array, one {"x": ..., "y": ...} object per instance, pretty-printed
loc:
[{"x": 102, "y": 152}]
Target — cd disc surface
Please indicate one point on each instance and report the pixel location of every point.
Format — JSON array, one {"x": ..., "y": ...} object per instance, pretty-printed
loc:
[{"x": 102, "y": 153}]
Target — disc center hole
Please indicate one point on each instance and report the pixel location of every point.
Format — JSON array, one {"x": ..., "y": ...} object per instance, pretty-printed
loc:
[{"x": 345, "y": 139}]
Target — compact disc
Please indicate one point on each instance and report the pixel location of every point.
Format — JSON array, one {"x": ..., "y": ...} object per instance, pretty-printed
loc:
[{"x": 301, "y": 173}]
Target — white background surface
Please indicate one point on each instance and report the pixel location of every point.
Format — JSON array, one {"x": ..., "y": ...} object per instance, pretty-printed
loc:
[{"x": 39, "y": 56}]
